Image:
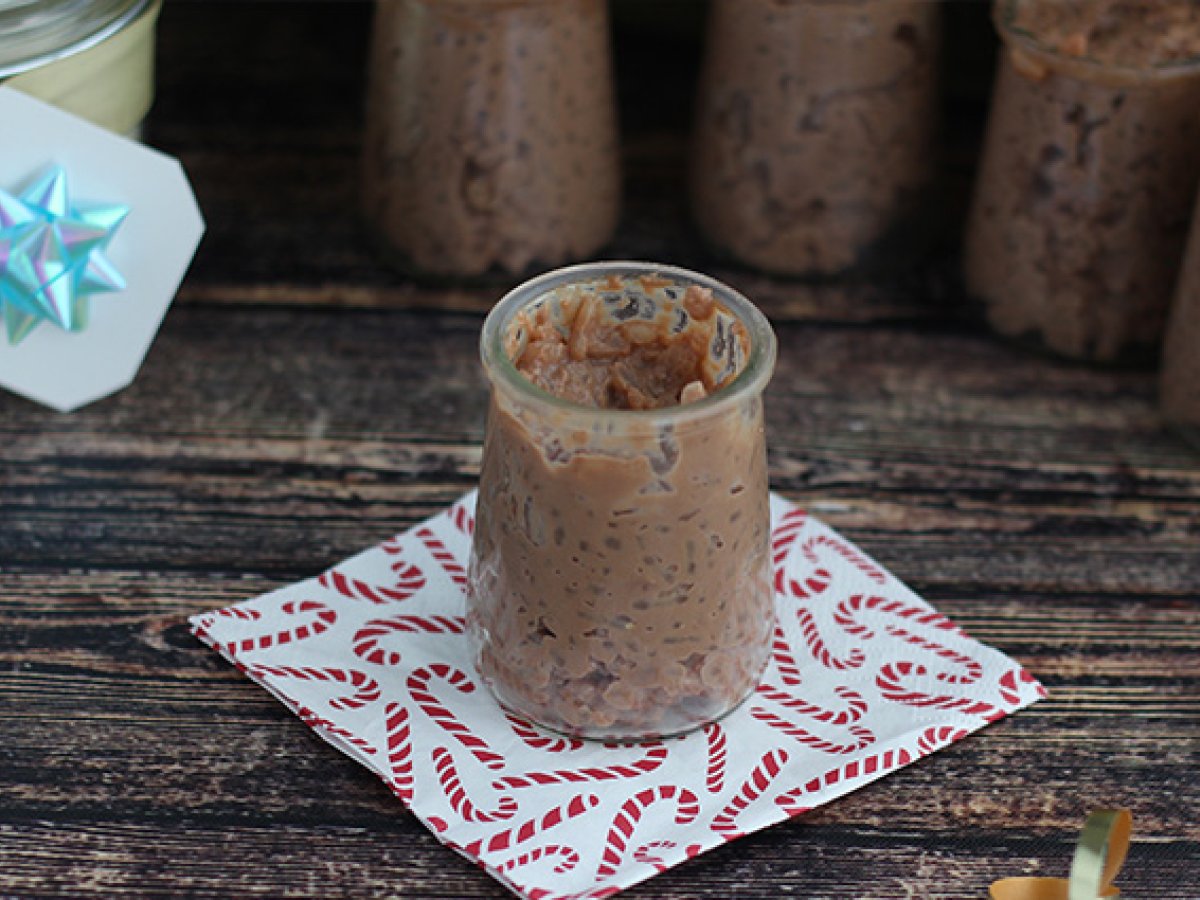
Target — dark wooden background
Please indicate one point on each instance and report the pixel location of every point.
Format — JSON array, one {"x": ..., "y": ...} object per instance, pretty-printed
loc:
[{"x": 302, "y": 402}]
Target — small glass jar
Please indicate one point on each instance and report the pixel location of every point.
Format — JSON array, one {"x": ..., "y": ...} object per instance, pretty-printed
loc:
[
  {"x": 92, "y": 58},
  {"x": 1090, "y": 163},
  {"x": 1180, "y": 386},
  {"x": 620, "y": 582},
  {"x": 815, "y": 133},
  {"x": 491, "y": 139}
]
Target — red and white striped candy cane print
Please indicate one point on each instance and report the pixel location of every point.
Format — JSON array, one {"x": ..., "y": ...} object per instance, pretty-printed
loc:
[
  {"x": 889, "y": 683},
  {"x": 1010, "y": 691},
  {"x": 366, "y": 689},
  {"x": 240, "y": 613},
  {"x": 519, "y": 834},
  {"x": 443, "y": 764},
  {"x": 785, "y": 662},
  {"x": 882, "y": 763},
  {"x": 782, "y": 539},
  {"x": 442, "y": 554},
  {"x": 630, "y": 813},
  {"x": 971, "y": 669},
  {"x": 649, "y": 854},
  {"x": 754, "y": 786},
  {"x": 409, "y": 580},
  {"x": 320, "y": 617},
  {"x": 820, "y": 650},
  {"x": 855, "y": 704},
  {"x": 367, "y": 639},
  {"x": 539, "y": 741},
  {"x": 418, "y": 686},
  {"x": 814, "y": 583},
  {"x": 312, "y": 720},
  {"x": 846, "y": 552},
  {"x": 462, "y": 519},
  {"x": 399, "y": 747},
  {"x": 654, "y": 757},
  {"x": 863, "y": 737},
  {"x": 569, "y": 858},
  {"x": 848, "y": 612},
  {"x": 937, "y": 736},
  {"x": 714, "y": 775}
]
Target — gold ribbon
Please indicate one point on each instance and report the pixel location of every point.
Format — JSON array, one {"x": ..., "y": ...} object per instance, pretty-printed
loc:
[{"x": 1099, "y": 856}]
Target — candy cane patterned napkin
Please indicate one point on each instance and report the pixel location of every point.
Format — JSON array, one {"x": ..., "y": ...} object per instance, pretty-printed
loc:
[{"x": 866, "y": 678}]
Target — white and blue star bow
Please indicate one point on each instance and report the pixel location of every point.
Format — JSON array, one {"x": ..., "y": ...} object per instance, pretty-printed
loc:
[{"x": 52, "y": 255}]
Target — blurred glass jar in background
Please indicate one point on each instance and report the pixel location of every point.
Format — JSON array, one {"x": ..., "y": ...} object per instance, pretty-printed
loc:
[
  {"x": 815, "y": 130},
  {"x": 1089, "y": 167},
  {"x": 491, "y": 142},
  {"x": 1180, "y": 390},
  {"x": 92, "y": 58}
]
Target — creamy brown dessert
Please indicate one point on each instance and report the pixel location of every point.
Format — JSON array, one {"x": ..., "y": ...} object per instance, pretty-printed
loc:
[
  {"x": 491, "y": 139},
  {"x": 814, "y": 140},
  {"x": 1137, "y": 34},
  {"x": 1090, "y": 162},
  {"x": 1180, "y": 394},
  {"x": 620, "y": 576}
]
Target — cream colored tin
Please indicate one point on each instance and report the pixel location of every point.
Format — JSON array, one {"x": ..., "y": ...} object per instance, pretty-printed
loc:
[{"x": 93, "y": 58}]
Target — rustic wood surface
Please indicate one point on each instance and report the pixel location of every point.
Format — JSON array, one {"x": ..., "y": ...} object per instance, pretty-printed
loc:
[{"x": 302, "y": 402}]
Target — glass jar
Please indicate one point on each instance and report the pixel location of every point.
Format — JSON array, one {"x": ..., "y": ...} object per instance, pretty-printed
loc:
[
  {"x": 1180, "y": 387},
  {"x": 92, "y": 58},
  {"x": 620, "y": 583},
  {"x": 815, "y": 128},
  {"x": 491, "y": 142},
  {"x": 1089, "y": 166}
]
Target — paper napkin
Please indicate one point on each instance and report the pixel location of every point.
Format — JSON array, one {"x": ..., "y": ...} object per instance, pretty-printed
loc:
[{"x": 866, "y": 677}]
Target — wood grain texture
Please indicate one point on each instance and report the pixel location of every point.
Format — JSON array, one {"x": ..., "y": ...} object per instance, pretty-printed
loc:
[{"x": 302, "y": 402}]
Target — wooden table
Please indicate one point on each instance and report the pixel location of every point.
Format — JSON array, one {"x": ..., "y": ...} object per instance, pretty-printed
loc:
[{"x": 302, "y": 403}]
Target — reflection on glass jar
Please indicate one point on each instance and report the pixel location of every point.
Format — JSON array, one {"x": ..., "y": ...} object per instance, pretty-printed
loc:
[
  {"x": 620, "y": 581},
  {"x": 1180, "y": 392},
  {"x": 815, "y": 129},
  {"x": 1089, "y": 167},
  {"x": 92, "y": 58},
  {"x": 491, "y": 142}
]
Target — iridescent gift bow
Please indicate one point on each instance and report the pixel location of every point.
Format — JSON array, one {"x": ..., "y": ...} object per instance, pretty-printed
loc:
[
  {"x": 1098, "y": 858},
  {"x": 52, "y": 255}
]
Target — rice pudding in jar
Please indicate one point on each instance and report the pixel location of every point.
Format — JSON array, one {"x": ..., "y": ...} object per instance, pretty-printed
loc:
[
  {"x": 1089, "y": 167},
  {"x": 620, "y": 581},
  {"x": 814, "y": 146},
  {"x": 491, "y": 143}
]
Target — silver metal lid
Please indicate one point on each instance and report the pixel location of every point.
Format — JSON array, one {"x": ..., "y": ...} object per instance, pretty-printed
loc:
[{"x": 36, "y": 32}]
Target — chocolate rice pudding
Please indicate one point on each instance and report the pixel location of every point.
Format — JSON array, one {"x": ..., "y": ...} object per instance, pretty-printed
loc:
[
  {"x": 620, "y": 575},
  {"x": 815, "y": 131},
  {"x": 491, "y": 141},
  {"x": 1090, "y": 164}
]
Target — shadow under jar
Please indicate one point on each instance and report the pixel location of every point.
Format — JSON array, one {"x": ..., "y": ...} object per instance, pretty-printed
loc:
[
  {"x": 815, "y": 129},
  {"x": 1180, "y": 388},
  {"x": 1089, "y": 167},
  {"x": 620, "y": 582},
  {"x": 491, "y": 139}
]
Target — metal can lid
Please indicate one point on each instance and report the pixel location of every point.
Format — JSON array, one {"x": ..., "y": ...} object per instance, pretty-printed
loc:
[{"x": 36, "y": 32}]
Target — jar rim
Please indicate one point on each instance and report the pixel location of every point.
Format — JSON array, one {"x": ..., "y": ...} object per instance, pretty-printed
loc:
[
  {"x": 749, "y": 382},
  {"x": 1004, "y": 13},
  {"x": 39, "y": 33}
]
